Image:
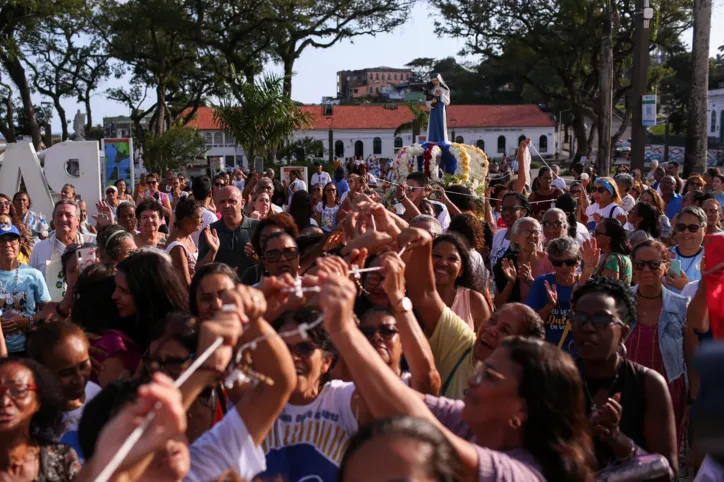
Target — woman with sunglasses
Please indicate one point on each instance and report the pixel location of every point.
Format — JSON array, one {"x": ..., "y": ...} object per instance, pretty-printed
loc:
[
  {"x": 63, "y": 349},
  {"x": 31, "y": 423},
  {"x": 628, "y": 405},
  {"x": 323, "y": 414},
  {"x": 691, "y": 223},
  {"x": 607, "y": 203},
  {"x": 26, "y": 233},
  {"x": 522, "y": 263},
  {"x": 612, "y": 242},
  {"x": 523, "y": 417},
  {"x": 550, "y": 294},
  {"x": 657, "y": 341},
  {"x": 327, "y": 209},
  {"x": 280, "y": 255},
  {"x": 713, "y": 211},
  {"x": 112, "y": 198},
  {"x": 695, "y": 183},
  {"x": 276, "y": 223}
]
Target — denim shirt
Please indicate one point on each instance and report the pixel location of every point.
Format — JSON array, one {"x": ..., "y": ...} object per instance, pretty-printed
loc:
[{"x": 672, "y": 324}]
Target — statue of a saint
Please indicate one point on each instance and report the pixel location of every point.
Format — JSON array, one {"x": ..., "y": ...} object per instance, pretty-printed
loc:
[
  {"x": 438, "y": 98},
  {"x": 79, "y": 126}
]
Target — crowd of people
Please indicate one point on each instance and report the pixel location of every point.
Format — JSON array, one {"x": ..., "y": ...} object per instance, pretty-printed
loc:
[{"x": 544, "y": 332}]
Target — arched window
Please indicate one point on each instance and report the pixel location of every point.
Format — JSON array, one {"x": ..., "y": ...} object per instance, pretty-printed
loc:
[
  {"x": 501, "y": 144},
  {"x": 218, "y": 139},
  {"x": 209, "y": 138},
  {"x": 398, "y": 144},
  {"x": 520, "y": 139},
  {"x": 359, "y": 149},
  {"x": 543, "y": 144},
  {"x": 480, "y": 144},
  {"x": 713, "y": 121},
  {"x": 339, "y": 148},
  {"x": 459, "y": 139},
  {"x": 376, "y": 146}
]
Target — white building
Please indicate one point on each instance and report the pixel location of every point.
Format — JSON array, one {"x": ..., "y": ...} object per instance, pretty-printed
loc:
[
  {"x": 715, "y": 111},
  {"x": 369, "y": 129}
]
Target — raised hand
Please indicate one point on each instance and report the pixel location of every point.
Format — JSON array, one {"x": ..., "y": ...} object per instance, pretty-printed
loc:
[
  {"x": 509, "y": 270},
  {"x": 401, "y": 191},
  {"x": 525, "y": 273},
  {"x": 394, "y": 284},
  {"x": 552, "y": 292},
  {"x": 105, "y": 214},
  {"x": 337, "y": 302},
  {"x": 212, "y": 239},
  {"x": 413, "y": 238},
  {"x": 591, "y": 254},
  {"x": 606, "y": 419},
  {"x": 250, "y": 253}
]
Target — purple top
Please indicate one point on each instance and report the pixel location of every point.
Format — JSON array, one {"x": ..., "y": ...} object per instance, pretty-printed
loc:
[{"x": 512, "y": 466}]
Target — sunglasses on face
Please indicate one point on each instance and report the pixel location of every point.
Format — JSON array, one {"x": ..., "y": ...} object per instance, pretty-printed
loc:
[
  {"x": 552, "y": 224},
  {"x": 484, "y": 372},
  {"x": 274, "y": 255},
  {"x": 385, "y": 331},
  {"x": 560, "y": 262},
  {"x": 692, "y": 228},
  {"x": 653, "y": 264},
  {"x": 17, "y": 391},
  {"x": 598, "y": 320},
  {"x": 170, "y": 364},
  {"x": 4, "y": 203},
  {"x": 601, "y": 189},
  {"x": 220, "y": 184},
  {"x": 153, "y": 182},
  {"x": 304, "y": 349}
]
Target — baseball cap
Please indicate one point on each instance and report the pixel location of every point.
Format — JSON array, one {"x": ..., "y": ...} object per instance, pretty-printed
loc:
[{"x": 6, "y": 229}]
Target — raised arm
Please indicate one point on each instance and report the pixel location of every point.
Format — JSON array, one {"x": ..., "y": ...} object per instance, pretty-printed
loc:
[{"x": 522, "y": 172}]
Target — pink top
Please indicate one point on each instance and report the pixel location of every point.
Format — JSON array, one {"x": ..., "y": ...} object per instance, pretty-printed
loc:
[
  {"x": 543, "y": 267},
  {"x": 461, "y": 306},
  {"x": 190, "y": 257},
  {"x": 115, "y": 342}
]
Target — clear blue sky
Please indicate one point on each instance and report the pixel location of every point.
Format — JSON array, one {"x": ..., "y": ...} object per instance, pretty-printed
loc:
[{"x": 316, "y": 69}]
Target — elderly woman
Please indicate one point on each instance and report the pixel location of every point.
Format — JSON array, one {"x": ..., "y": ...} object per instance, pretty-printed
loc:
[
  {"x": 149, "y": 213},
  {"x": 115, "y": 244},
  {"x": 657, "y": 341},
  {"x": 522, "y": 263},
  {"x": 34, "y": 221},
  {"x": 550, "y": 294},
  {"x": 555, "y": 224},
  {"x": 26, "y": 234},
  {"x": 691, "y": 223},
  {"x": 712, "y": 208}
]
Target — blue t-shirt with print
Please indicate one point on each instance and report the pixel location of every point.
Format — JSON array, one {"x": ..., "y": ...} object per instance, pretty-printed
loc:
[
  {"x": 559, "y": 318},
  {"x": 29, "y": 291}
]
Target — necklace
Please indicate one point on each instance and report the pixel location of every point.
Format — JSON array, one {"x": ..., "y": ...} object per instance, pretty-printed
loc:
[
  {"x": 589, "y": 396},
  {"x": 651, "y": 297},
  {"x": 9, "y": 294}
]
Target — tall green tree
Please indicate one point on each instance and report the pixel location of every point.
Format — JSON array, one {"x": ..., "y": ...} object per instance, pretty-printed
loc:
[
  {"x": 173, "y": 148},
  {"x": 420, "y": 118},
  {"x": 259, "y": 116}
]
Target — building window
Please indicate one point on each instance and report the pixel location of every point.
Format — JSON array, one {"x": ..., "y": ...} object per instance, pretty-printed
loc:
[
  {"x": 459, "y": 139},
  {"x": 713, "y": 121},
  {"x": 209, "y": 139},
  {"x": 543, "y": 144},
  {"x": 395, "y": 76},
  {"x": 398, "y": 144},
  {"x": 501, "y": 145},
  {"x": 359, "y": 149},
  {"x": 218, "y": 139},
  {"x": 230, "y": 161},
  {"x": 339, "y": 149},
  {"x": 480, "y": 144},
  {"x": 369, "y": 90},
  {"x": 377, "y": 76},
  {"x": 377, "y": 146}
]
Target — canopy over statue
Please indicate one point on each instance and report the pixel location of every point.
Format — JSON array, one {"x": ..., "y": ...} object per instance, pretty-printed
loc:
[{"x": 438, "y": 98}]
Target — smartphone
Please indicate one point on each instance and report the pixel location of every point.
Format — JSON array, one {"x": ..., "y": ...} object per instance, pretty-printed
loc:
[
  {"x": 675, "y": 267},
  {"x": 86, "y": 257}
]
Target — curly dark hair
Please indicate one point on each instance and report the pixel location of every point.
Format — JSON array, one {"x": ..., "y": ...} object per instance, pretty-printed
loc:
[
  {"x": 619, "y": 291},
  {"x": 568, "y": 204},
  {"x": 93, "y": 308},
  {"x": 470, "y": 228},
  {"x": 615, "y": 231},
  {"x": 156, "y": 289},
  {"x": 203, "y": 272},
  {"x": 185, "y": 208},
  {"x": 556, "y": 430},
  {"x": 443, "y": 463},
  {"x": 461, "y": 197},
  {"x": 46, "y": 425},
  {"x": 522, "y": 201},
  {"x": 26, "y": 234},
  {"x": 469, "y": 278},
  {"x": 318, "y": 335},
  {"x": 149, "y": 205},
  {"x": 281, "y": 220}
]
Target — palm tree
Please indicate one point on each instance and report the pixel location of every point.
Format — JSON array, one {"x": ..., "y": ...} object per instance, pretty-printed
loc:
[
  {"x": 419, "y": 120},
  {"x": 259, "y": 116}
]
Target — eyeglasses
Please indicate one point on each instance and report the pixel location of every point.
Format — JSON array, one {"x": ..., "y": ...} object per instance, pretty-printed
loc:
[
  {"x": 560, "y": 262},
  {"x": 220, "y": 184},
  {"x": 527, "y": 233},
  {"x": 484, "y": 372},
  {"x": 386, "y": 331},
  {"x": 599, "y": 320},
  {"x": 304, "y": 349},
  {"x": 692, "y": 228},
  {"x": 511, "y": 209},
  {"x": 373, "y": 279},
  {"x": 552, "y": 224},
  {"x": 168, "y": 365},
  {"x": 274, "y": 255},
  {"x": 653, "y": 264},
  {"x": 5, "y": 203},
  {"x": 16, "y": 391}
]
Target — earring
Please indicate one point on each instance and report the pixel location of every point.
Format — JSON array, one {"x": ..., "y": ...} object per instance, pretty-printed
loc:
[
  {"x": 514, "y": 422},
  {"x": 622, "y": 350}
]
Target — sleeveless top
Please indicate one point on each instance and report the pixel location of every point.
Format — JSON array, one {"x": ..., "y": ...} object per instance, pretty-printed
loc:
[
  {"x": 630, "y": 383},
  {"x": 461, "y": 306},
  {"x": 190, "y": 257},
  {"x": 307, "y": 442}
]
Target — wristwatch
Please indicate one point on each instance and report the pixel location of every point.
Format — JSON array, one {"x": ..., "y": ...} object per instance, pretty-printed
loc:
[{"x": 403, "y": 306}]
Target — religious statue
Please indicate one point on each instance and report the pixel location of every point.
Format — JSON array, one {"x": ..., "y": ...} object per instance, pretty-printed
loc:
[
  {"x": 438, "y": 98},
  {"x": 79, "y": 126}
]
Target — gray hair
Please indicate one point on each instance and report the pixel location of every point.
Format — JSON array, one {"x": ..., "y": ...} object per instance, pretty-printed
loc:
[
  {"x": 695, "y": 211},
  {"x": 67, "y": 202},
  {"x": 124, "y": 205},
  {"x": 624, "y": 179},
  {"x": 435, "y": 226},
  {"x": 517, "y": 227},
  {"x": 157, "y": 251},
  {"x": 566, "y": 246},
  {"x": 559, "y": 212}
]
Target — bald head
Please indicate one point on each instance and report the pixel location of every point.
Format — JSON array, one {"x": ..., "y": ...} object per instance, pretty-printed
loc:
[{"x": 230, "y": 203}]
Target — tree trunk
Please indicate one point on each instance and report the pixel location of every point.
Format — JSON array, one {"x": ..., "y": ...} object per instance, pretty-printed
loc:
[
  {"x": 88, "y": 114},
  {"x": 605, "y": 68},
  {"x": 288, "y": 61},
  {"x": 161, "y": 108},
  {"x": 17, "y": 74},
  {"x": 63, "y": 119},
  {"x": 696, "y": 129},
  {"x": 579, "y": 132},
  {"x": 7, "y": 126}
]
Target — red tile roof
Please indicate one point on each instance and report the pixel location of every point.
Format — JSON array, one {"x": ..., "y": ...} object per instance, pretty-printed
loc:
[{"x": 379, "y": 117}]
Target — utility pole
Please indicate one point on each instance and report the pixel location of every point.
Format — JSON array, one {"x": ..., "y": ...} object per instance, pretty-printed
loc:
[
  {"x": 696, "y": 126},
  {"x": 605, "y": 92},
  {"x": 330, "y": 122},
  {"x": 640, "y": 81}
]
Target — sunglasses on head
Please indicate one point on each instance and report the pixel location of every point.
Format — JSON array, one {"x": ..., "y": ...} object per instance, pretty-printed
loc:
[
  {"x": 692, "y": 228},
  {"x": 560, "y": 262},
  {"x": 385, "y": 331},
  {"x": 598, "y": 320},
  {"x": 653, "y": 264},
  {"x": 274, "y": 255},
  {"x": 304, "y": 349}
]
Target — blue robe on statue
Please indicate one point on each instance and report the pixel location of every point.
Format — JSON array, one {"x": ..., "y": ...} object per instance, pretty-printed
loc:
[{"x": 437, "y": 125}]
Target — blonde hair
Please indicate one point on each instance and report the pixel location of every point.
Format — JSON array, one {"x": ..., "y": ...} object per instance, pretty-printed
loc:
[{"x": 615, "y": 197}]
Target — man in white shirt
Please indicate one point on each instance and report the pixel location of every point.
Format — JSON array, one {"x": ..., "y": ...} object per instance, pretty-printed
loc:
[
  {"x": 201, "y": 189},
  {"x": 320, "y": 176},
  {"x": 46, "y": 254},
  {"x": 557, "y": 181}
]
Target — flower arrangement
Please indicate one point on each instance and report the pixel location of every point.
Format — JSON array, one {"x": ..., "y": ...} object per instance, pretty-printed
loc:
[
  {"x": 404, "y": 162},
  {"x": 461, "y": 155}
]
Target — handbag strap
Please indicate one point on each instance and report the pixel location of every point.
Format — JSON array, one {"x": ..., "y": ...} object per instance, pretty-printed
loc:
[{"x": 455, "y": 368}]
